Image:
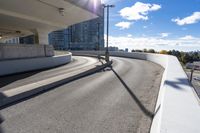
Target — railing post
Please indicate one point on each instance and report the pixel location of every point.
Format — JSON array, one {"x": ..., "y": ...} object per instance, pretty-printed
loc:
[{"x": 191, "y": 75}]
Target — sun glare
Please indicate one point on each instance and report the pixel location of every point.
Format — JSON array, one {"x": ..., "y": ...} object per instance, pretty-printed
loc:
[{"x": 102, "y": 1}]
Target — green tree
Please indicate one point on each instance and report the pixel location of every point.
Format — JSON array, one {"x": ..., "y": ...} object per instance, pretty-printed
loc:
[
  {"x": 169, "y": 52},
  {"x": 145, "y": 50},
  {"x": 132, "y": 50},
  {"x": 163, "y": 52},
  {"x": 195, "y": 56},
  {"x": 137, "y": 50},
  {"x": 186, "y": 58},
  {"x": 151, "y": 51}
]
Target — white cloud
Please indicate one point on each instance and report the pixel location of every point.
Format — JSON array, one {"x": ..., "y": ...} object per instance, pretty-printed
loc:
[
  {"x": 154, "y": 42},
  {"x": 188, "y": 37},
  {"x": 123, "y": 25},
  {"x": 155, "y": 7},
  {"x": 138, "y": 11},
  {"x": 129, "y": 35},
  {"x": 164, "y": 34},
  {"x": 194, "y": 18}
]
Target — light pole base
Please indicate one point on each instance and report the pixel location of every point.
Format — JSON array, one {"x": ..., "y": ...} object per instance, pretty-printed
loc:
[{"x": 107, "y": 56}]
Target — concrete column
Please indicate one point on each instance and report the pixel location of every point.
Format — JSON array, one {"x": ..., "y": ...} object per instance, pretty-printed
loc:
[
  {"x": 41, "y": 36},
  {"x": 2, "y": 41}
]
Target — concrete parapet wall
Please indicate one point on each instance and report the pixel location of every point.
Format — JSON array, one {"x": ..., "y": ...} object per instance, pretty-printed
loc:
[
  {"x": 177, "y": 109},
  {"x": 22, "y": 51},
  {"x": 49, "y": 50},
  {"x": 23, "y": 65}
]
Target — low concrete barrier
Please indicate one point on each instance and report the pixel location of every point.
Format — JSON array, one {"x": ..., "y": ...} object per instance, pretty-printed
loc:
[
  {"x": 177, "y": 109},
  {"x": 22, "y": 51},
  {"x": 23, "y": 65}
]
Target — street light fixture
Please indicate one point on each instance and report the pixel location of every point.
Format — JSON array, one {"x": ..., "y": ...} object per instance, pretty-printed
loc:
[
  {"x": 98, "y": 33},
  {"x": 61, "y": 11},
  {"x": 107, "y": 52}
]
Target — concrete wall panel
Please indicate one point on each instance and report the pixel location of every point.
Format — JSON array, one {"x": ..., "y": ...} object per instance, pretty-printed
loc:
[
  {"x": 22, "y": 51},
  {"x": 23, "y": 65}
]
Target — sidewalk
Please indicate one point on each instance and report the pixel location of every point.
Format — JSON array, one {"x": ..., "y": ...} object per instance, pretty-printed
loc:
[
  {"x": 17, "y": 80},
  {"x": 32, "y": 83}
]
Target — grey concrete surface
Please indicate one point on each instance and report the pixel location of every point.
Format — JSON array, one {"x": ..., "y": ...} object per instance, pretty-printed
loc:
[
  {"x": 22, "y": 51},
  {"x": 120, "y": 99},
  {"x": 8, "y": 67},
  {"x": 17, "y": 80}
]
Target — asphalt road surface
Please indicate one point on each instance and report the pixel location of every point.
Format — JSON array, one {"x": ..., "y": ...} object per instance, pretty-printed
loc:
[{"x": 120, "y": 99}]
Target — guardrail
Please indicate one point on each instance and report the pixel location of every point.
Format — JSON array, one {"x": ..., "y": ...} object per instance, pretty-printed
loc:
[
  {"x": 177, "y": 108},
  {"x": 23, "y": 51},
  {"x": 23, "y": 65}
]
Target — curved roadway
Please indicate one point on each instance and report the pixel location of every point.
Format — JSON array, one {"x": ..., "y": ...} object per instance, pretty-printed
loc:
[
  {"x": 13, "y": 81},
  {"x": 120, "y": 99}
]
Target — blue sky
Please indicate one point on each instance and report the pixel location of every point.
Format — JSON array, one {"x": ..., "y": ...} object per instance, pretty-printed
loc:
[{"x": 158, "y": 24}]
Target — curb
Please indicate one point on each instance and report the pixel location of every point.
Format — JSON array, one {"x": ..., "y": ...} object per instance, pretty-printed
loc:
[
  {"x": 16, "y": 66},
  {"x": 20, "y": 93},
  {"x": 100, "y": 56}
]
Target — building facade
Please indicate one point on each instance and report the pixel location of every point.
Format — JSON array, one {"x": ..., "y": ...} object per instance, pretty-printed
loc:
[
  {"x": 88, "y": 35},
  {"x": 60, "y": 39}
]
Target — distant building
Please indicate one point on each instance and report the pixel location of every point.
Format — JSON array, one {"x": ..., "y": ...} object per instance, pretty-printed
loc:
[
  {"x": 189, "y": 65},
  {"x": 12, "y": 41},
  {"x": 113, "y": 48},
  {"x": 87, "y": 35},
  {"x": 122, "y": 50},
  {"x": 195, "y": 65},
  {"x": 21, "y": 40},
  {"x": 126, "y": 49},
  {"x": 27, "y": 40},
  {"x": 60, "y": 39}
]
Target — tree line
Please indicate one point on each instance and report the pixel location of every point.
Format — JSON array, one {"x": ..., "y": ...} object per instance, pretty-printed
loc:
[{"x": 183, "y": 57}]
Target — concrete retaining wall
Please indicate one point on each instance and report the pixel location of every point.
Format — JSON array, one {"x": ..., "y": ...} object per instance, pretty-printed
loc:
[
  {"x": 21, "y": 51},
  {"x": 177, "y": 108},
  {"x": 23, "y": 65}
]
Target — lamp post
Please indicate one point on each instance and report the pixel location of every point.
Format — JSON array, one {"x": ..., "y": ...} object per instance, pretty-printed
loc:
[
  {"x": 107, "y": 52},
  {"x": 98, "y": 32},
  {"x": 70, "y": 37}
]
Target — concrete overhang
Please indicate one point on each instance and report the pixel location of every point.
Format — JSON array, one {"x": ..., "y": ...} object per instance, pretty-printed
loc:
[{"x": 21, "y": 17}]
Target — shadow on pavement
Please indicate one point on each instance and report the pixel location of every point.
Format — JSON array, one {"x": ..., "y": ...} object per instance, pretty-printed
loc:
[
  {"x": 134, "y": 97},
  {"x": 1, "y": 121},
  {"x": 177, "y": 84},
  {"x": 6, "y": 80}
]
